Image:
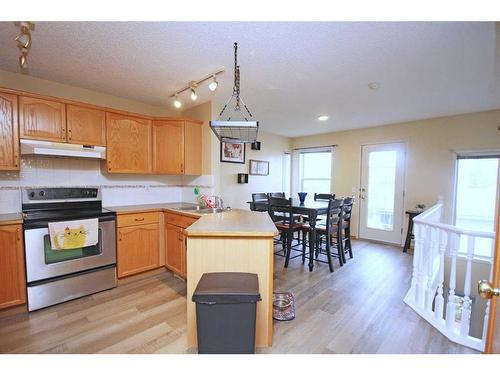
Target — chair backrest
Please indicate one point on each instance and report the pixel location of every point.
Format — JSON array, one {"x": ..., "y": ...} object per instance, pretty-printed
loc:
[
  {"x": 280, "y": 209},
  {"x": 347, "y": 210},
  {"x": 259, "y": 198},
  {"x": 334, "y": 214},
  {"x": 277, "y": 195},
  {"x": 323, "y": 197}
]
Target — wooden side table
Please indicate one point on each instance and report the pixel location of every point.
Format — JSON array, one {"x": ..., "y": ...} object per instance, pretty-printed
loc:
[{"x": 409, "y": 235}]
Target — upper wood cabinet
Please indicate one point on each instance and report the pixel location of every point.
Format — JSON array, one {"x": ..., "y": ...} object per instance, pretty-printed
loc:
[
  {"x": 193, "y": 149},
  {"x": 86, "y": 126},
  {"x": 177, "y": 147},
  {"x": 168, "y": 147},
  {"x": 42, "y": 119},
  {"x": 12, "y": 274},
  {"x": 129, "y": 144},
  {"x": 9, "y": 132}
]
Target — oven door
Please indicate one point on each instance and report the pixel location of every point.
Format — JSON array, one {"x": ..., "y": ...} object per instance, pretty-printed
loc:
[{"x": 42, "y": 262}]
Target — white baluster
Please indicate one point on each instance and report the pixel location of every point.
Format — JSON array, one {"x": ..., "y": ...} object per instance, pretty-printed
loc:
[
  {"x": 432, "y": 251},
  {"x": 416, "y": 255},
  {"x": 421, "y": 275},
  {"x": 443, "y": 240},
  {"x": 451, "y": 305},
  {"x": 466, "y": 309}
]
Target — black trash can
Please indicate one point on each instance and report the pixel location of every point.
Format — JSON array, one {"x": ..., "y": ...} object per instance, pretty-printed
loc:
[{"x": 226, "y": 304}]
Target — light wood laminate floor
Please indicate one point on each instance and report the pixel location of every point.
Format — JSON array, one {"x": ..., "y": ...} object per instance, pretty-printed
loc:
[{"x": 358, "y": 308}]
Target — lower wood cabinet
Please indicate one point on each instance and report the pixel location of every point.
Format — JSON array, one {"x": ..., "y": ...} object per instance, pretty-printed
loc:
[
  {"x": 138, "y": 249},
  {"x": 12, "y": 273},
  {"x": 175, "y": 242},
  {"x": 175, "y": 258}
]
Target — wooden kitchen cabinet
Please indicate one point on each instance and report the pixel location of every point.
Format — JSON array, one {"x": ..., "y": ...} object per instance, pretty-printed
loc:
[
  {"x": 12, "y": 273},
  {"x": 168, "y": 147},
  {"x": 175, "y": 258},
  {"x": 129, "y": 144},
  {"x": 86, "y": 126},
  {"x": 177, "y": 147},
  {"x": 9, "y": 132},
  {"x": 192, "y": 148},
  {"x": 138, "y": 249},
  {"x": 42, "y": 119}
]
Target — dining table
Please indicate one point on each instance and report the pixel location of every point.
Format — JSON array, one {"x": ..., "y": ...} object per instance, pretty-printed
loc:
[{"x": 310, "y": 208}]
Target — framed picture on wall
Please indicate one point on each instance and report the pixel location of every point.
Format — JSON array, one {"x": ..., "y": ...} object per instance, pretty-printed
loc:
[
  {"x": 232, "y": 152},
  {"x": 259, "y": 168}
]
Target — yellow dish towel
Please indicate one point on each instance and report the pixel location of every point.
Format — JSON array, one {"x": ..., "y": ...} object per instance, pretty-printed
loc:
[{"x": 73, "y": 234}]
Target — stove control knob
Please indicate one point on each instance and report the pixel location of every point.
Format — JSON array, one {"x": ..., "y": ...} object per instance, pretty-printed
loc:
[
  {"x": 41, "y": 193},
  {"x": 32, "y": 194}
]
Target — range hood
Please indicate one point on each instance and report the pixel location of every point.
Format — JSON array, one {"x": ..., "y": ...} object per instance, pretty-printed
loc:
[
  {"x": 31, "y": 147},
  {"x": 237, "y": 124}
]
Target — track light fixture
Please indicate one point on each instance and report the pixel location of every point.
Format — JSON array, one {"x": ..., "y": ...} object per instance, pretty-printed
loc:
[
  {"x": 212, "y": 86},
  {"x": 193, "y": 94},
  {"x": 193, "y": 87},
  {"x": 177, "y": 102},
  {"x": 24, "y": 41}
]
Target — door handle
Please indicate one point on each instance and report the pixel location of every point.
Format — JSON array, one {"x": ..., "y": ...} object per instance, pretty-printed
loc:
[
  {"x": 486, "y": 290},
  {"x": 362, "y": 195}
]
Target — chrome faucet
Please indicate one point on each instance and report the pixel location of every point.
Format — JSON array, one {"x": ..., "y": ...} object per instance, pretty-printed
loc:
[{"x": 219, "y": 203}]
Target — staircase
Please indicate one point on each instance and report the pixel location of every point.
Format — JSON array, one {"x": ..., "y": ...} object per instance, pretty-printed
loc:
[{"x": 447, "y": 264}]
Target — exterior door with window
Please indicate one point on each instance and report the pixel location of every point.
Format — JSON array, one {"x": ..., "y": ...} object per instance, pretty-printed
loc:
[{"x": 382, "y": 192}]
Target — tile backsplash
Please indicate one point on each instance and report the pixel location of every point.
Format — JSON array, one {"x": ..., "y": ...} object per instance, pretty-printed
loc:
[{"x": 127, "y": 189}]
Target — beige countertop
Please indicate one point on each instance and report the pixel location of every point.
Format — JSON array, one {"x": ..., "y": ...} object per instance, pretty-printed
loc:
[
  {"x": 175, "y": 207},
  {"x": 234, "y": 223},
  {"x": 11, "y": 218}
]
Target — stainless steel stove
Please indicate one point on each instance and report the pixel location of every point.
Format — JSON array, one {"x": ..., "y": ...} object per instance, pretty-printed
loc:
[{"x": 55, "y": 276}]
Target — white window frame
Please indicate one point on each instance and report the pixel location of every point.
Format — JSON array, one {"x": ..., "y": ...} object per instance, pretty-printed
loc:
[{"x": 301, "y": 167}]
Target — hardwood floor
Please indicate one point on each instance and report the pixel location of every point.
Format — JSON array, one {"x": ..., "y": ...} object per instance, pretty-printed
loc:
[{"x": 358, "y": 308}]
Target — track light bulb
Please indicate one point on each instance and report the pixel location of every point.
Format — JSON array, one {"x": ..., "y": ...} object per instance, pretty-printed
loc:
[
  {"x": 193, "y": 95},
  {"x": 177, "y": 102},
  {"x": 23, "y": 61},
  {"x": 213, "y": 85}
]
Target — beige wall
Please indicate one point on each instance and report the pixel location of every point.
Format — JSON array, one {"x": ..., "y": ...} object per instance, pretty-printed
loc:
[
  {"x": 430, "y": 161},
  {"x": 272, "y": 149},
  {"x": 222, "y": 177},
  {"x": 43, "y": 87}
]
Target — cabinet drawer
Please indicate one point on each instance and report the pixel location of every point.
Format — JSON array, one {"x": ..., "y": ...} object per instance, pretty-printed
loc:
[
  {"x": 138, "y": 219},
  {"x": 179, "y": 220}
]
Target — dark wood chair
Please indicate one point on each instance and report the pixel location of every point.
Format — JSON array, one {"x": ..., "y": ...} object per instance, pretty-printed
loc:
[
  {"x": 280, "y": 210},
  {"x": 277, "y": 195},
  {"x": 323, "y": 197},
  {"x": 259, "y": 198},
  {"x": 346, "y": 226},
  {"x": 329, "y": 233}
]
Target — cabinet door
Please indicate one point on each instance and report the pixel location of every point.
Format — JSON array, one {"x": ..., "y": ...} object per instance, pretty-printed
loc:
[
  {"x": 9, "y": 135},
  {"x": 12, "y": 279},
  {"x": 42, "y": 119},
  {"x": 192, "y": 148},
  {"x": 86, "y": 126},
  {"x": 168, "y": 147},
  {"x": 128, "y": 142},
  {"x": 138, "y": 249},
  {"x": 174, "y": 247}
]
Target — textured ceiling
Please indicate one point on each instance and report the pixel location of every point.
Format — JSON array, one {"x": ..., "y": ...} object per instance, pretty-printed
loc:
[{"x": 290, "y": 72}]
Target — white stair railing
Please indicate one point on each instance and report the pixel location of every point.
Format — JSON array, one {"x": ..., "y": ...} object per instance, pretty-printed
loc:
[{"x": 445, "y": 302}]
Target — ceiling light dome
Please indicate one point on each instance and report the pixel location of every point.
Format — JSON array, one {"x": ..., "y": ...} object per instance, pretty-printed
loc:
[{"x": 323, "y": 118}]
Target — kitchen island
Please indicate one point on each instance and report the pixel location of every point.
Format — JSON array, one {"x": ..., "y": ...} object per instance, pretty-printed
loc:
[{"x": 233, "y": 241}]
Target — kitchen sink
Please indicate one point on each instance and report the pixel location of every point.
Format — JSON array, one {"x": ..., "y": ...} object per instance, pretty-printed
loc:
[{"x": 205, "y": 210}]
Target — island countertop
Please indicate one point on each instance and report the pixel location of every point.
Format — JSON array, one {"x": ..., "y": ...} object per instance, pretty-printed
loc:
[{"x": 234, "y": 223}]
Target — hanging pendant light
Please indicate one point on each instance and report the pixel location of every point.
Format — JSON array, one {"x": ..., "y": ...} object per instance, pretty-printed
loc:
[{"x": 238, "y": 124}]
